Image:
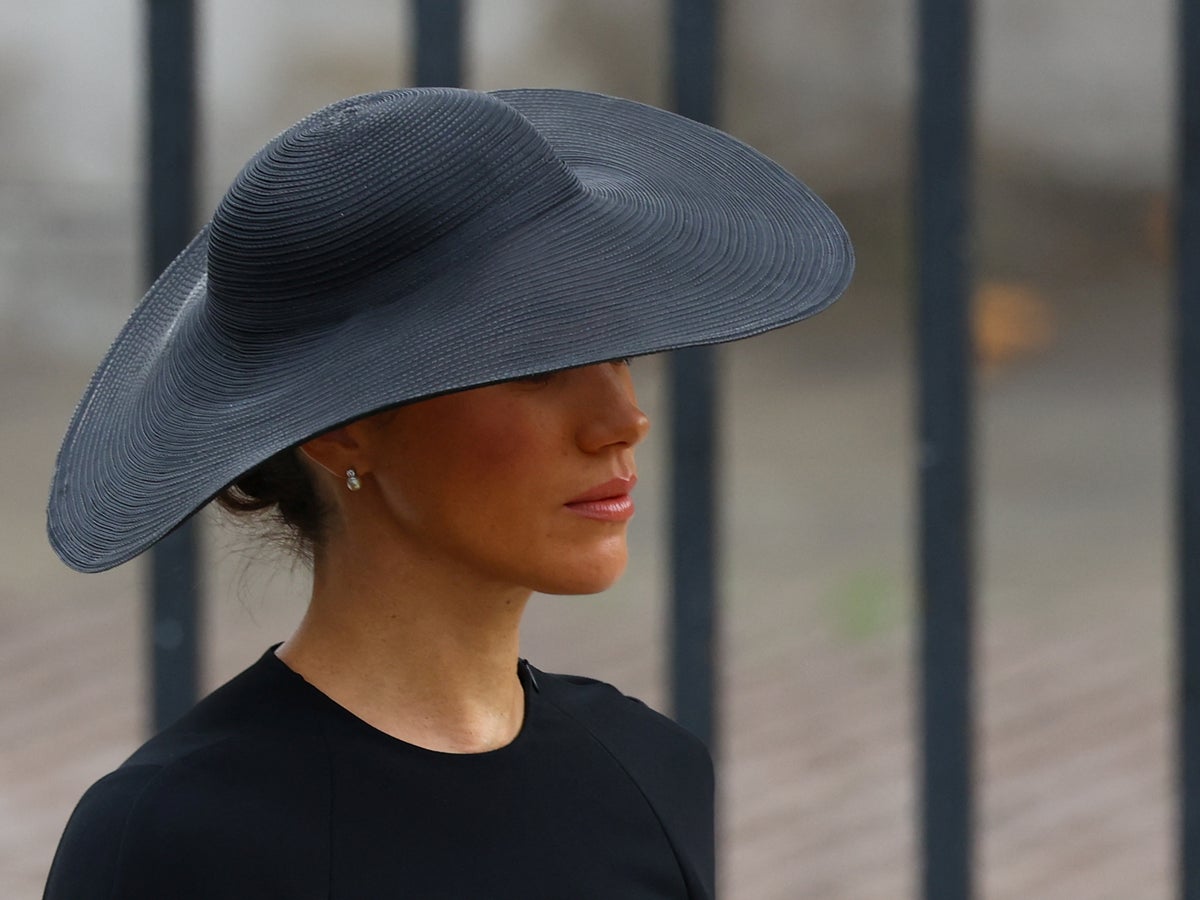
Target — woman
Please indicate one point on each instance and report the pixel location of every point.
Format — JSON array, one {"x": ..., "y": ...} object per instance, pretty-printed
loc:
[{"x": 405, "y": 334}]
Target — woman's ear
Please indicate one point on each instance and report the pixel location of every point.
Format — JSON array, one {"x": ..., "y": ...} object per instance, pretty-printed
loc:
[{"x": 335, "y": 451}]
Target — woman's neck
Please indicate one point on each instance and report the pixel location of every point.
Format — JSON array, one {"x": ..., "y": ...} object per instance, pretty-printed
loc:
[{"x": 422, "y": 653}]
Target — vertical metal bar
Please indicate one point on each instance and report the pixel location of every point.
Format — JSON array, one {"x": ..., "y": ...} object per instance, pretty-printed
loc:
[
  {"x": 1187, "y": 386},
  {"x": 169, "y": 222},
  {"x": 692, "y": 397},
  {"x": 439, "y": 43},
  {"x": 944, "y": 340}
]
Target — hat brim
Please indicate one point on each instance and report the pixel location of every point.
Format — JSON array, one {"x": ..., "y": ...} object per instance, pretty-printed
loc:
[{"x": 682, "y": 236}]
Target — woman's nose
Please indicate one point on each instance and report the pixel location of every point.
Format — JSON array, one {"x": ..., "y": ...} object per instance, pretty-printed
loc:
[{"x": 610, "y": 414}]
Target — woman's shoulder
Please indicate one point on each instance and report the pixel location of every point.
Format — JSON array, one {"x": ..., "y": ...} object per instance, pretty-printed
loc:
[
  {"x": 671, "y": 767},
  {"x": 599, "y": 706},
  {"x": 230, "y": 741},
  {"x": 664, "y": 758},
  {"x": 186, "y": 812},
  {"x": 192, "y": 827}
]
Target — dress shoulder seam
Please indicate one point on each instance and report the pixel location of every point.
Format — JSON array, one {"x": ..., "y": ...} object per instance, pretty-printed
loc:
[
  {"x": 591, "y": 733},
  {"x": 155, "y": 770}
]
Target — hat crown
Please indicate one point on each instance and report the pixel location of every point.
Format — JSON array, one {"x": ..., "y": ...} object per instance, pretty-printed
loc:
[{"x": 370, "y": 181}]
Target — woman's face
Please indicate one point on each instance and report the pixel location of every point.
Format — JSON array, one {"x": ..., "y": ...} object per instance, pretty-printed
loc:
[{"x": 523, "y": 483}]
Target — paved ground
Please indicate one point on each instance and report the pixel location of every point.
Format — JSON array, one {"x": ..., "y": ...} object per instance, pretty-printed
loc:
[{"x": 817, "y": 756}]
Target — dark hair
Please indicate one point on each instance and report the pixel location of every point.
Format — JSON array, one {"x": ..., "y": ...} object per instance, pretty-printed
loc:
[{"x": 282, "y": 488}]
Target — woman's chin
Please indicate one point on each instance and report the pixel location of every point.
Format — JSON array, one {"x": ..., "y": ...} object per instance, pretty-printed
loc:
[{"x": 591, "y": 578}]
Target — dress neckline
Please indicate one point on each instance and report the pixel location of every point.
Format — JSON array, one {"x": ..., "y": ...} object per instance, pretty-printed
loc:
[{"x": 315, "y": 695}]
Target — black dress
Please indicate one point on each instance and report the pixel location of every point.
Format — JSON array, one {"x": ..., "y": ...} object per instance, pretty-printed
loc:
[{"x": 269, "y": 789}]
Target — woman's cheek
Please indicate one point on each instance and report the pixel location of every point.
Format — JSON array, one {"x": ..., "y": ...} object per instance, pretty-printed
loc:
[{"x": 513, "y": 442}]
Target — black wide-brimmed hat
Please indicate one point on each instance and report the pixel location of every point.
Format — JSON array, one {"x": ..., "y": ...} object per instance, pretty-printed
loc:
[{"x": 409, "y": 243}]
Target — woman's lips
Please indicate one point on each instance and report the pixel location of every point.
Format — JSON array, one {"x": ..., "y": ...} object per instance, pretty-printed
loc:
[{"x": 608, "y": 502}]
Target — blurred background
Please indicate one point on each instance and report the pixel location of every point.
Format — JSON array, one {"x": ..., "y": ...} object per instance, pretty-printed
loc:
[{"x": 817, "y": 756}]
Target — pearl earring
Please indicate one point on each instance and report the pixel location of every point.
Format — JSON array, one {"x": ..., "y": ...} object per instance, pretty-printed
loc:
[{"x": 352, "y": 480}]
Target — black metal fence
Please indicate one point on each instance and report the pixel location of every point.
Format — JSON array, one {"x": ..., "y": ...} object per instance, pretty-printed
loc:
[
  {"x": 942, "y": 228},
  {"x": 1188, "y": 446},
  {"x": 943, "y": 167},
  {"x": 170, "y": 217}
]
